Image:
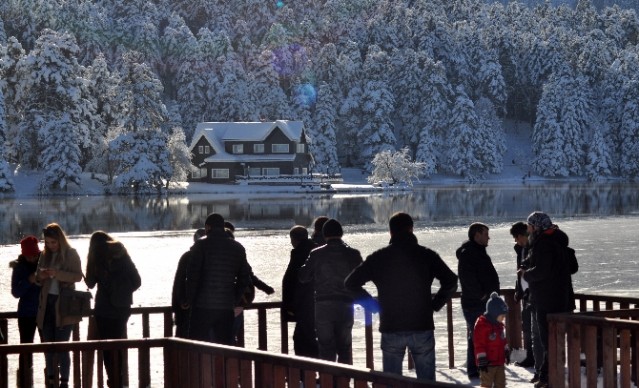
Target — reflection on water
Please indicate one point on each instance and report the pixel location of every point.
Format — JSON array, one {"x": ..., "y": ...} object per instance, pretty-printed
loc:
[{"x": 436, "y": 206}]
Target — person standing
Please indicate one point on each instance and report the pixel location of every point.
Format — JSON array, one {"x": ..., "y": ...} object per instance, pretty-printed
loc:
[
  {"x": 25, "y": 288},
  {"x": 218, "y": 276},
  {"x": 491, "y": 347},
  {"x": 478, "y": 279},
  {"x": 298, "y": 303},
  {"x": 519, "y": 231},
  {"x": 59, "y": 267},
  {"x": 403, "y": 273},
  {"x": 110, "y": 267},
  {"x": 326, "y": 268},
  {"x": 182, "y": 316},
  {"x": 549, "y": 278},
  {"x": 249, "y": 293},
  {"x": 317, "y": 236}
]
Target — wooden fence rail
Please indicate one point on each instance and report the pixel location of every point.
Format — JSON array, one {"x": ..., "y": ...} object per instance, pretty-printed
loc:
[{"x": 585, "y": 303}]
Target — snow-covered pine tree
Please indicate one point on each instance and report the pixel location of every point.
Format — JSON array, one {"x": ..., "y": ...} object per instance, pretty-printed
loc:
[
  {"x": 270, "y": 100},
  {"x": 60, "y": 153},
  {"x": 378, "y": 104},
  {"x": 598, "y": 160},
  {"x": 11, "y": 86},
  {"x": 629, "y": 131},
  {"x": 177, "y": 45},
  {"x": 562, "y": 126},
  {"x": 179, "y": 155},
  {"x": 57, "y": 108},
  {"x": 102, "y": 85},
  {"x": 463, "y": 142},
  {"x": 322, "y": 132},
  {"x": 350, "y": 80},
  {"x": 234, "y": 92},
  {"x": 435, "y": 112},
  {"x": 141, "y": 148},
  {"x": 6, "y": 176}
]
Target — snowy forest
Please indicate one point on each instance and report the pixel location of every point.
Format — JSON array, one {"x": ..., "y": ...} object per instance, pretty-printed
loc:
[{"x": 117, "y": 87}]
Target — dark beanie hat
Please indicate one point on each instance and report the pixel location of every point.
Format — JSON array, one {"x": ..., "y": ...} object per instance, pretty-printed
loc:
[
  {"x": 539, "y": 220},
  {"x": 495, "y": 307},
  {"x": 29, "y": 246},
  {"x": 332, "y": 228},
  {"x": 215, "y": 221}
]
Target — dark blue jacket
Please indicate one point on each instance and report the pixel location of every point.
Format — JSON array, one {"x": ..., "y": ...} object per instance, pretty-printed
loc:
[{"x": 28, "y": 293}]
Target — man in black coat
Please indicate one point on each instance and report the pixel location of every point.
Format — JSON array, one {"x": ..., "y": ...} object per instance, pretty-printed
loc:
[
  {"x": 218, "y": 275},
  {"x": 478, "y": 279},
  {"x": 403, "y": 273},
  {"x": 549, "y": 278},
  {"x": 297, "y": 298},
  {"x": 326, "y": 268}
]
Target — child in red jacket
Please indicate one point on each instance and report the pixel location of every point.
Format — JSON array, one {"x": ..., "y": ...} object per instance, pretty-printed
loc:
[{"x": 491, "y": 348}]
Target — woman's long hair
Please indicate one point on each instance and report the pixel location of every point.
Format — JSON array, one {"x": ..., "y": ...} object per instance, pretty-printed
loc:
[
  {"x": 98, "y": 253},
  {"x": 54, "y": 231}
]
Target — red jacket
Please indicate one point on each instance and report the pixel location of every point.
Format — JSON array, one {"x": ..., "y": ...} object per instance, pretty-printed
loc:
[{"x": 490, "y": 340}]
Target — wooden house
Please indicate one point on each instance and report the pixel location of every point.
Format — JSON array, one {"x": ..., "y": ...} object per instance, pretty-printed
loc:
[{"x": 225, "y": 151}]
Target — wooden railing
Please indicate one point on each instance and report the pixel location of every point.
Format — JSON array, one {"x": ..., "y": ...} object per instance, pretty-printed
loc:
[
  {"x": 604, "y": 341},
  {"x": 584, "y": 302},
  {"x": 198, "y": 364}
]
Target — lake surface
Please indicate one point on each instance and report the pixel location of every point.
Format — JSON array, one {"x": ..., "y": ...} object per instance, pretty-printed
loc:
[
  {"x": 601, "y": 221},
  {"x": 430, "y": 207}
]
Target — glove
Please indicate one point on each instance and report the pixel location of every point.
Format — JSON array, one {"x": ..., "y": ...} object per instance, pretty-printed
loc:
[
  {"x": 482, "y": 363},
  {"x": 269, "y": 290},
  {"x": 507, "y": 354}
]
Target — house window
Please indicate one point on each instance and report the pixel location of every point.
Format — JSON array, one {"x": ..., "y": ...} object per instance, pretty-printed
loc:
[
  {"x": 300, "y": 148},
  {"x": 279, "y": 148},
  {"x": 271, "y": 171},
  {"x": 200, "y": 173},
  {"x": 200, "y": 150},
  {"x": 220, "y": 173},
  {"x": 258, "y": 148},
  {"x": 238, "y": 148},
  {"x": 296, "y": 171},
  {"x": 255, "y": 171},
  {"x": 207, "y": 150},
  {"x": 305, "y": 171}
]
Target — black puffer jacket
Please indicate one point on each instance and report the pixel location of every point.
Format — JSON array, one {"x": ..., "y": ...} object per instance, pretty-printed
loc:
[
  {"x": 549, "y": 274},
  {"x": 477, "y": 276},
  {"x": 327, "y": 267},
  {"x": 218, "y": 272},
  {"x": 403, "y": 273}
]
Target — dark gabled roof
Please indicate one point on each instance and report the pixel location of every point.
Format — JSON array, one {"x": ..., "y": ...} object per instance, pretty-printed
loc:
[{"x": 217, "y": 133}]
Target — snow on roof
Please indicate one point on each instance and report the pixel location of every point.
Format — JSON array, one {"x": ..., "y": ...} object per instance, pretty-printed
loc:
[{"x": 216, "y": 133}]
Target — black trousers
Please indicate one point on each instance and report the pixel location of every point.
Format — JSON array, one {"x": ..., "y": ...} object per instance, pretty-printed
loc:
[{"x": 113, "y": 328}]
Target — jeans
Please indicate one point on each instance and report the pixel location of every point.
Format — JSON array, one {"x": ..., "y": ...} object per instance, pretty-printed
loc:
[
  {"x": 421, "y": 345},
  {"x": 334, "y": 326},
  {"x": 113, "y": 328},
  {"x": 471, "y": 315},
  {"x": 212, "y": 325},
  {"x": 51, "y": 333}
]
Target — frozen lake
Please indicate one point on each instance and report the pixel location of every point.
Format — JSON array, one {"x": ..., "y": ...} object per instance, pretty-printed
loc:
[{"x": 605, "y": 238}]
